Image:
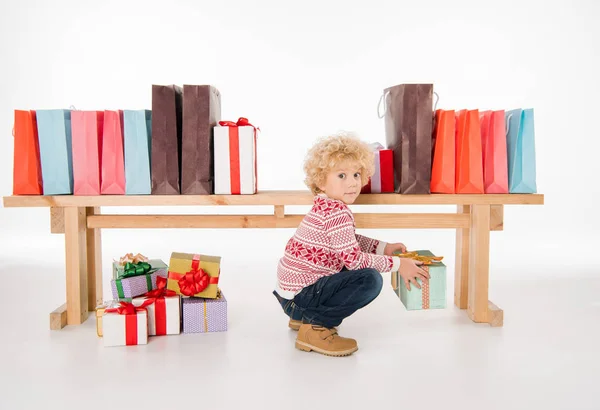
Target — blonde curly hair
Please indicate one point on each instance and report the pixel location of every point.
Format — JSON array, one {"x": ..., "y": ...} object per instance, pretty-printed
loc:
[{"x": 333, "y": 150}]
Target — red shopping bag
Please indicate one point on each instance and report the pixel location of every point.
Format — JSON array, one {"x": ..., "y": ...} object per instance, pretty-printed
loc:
[
  {"x": 469, "y": 164},
  {"x": 493, "y": 145},
  {"x": 27, "y": 169},
  {"x": 113, "y": 165},
  {"x": 86, "y": 130},
  {"x": 443, "y": 172}
]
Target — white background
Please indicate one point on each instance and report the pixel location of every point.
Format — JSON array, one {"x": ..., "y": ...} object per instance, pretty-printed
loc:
[
  {"x": 303, "y": 71},
  {"x": 299, "y": 70}
]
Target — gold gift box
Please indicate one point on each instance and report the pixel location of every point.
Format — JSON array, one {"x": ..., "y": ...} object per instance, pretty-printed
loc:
[{"x": 181, "y": 263}]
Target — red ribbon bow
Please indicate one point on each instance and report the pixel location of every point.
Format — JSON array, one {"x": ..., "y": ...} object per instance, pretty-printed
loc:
[
  {"x": 195, "y": 280},
  {"x": 128, "y": 308},
  {"x": 241, "y": 122},
  {"x": 161, "y": 290}
]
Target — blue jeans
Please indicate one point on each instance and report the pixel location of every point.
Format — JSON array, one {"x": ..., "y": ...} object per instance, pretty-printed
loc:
[{"x": 333, "y": 298}]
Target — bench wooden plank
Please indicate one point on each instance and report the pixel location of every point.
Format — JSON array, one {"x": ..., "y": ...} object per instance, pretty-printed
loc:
[
  {"x": 461, "y": 262},
  {"x": 479, "y": 263},
  {"x": 76, "y": 265},
  {"x": 94, "y": 262},
  {"x": 266, "y": 198},
  {"x": 363, "y": 220}
]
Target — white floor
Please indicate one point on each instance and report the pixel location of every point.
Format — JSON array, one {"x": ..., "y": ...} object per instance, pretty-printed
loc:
[{"x": 547, "y": 356}]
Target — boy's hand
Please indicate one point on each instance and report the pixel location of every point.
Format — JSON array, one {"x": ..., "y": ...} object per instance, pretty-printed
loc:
[
  {"x": 410, "y": 271},
  {"x": 390, "y": 248}
]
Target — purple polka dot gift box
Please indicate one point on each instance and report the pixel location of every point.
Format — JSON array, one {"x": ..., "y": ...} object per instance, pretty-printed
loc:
[{"x": 202, "y": 315}]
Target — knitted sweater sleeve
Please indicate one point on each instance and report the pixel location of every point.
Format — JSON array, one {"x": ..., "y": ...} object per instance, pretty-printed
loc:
[{"x": 342, "y": 237}]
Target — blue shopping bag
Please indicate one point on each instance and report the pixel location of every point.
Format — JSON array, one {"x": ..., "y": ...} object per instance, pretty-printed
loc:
[
  {"x": 520, "y": 144},
  {"x": 54, "y": 135},
  {"x": 137, "y": 133}
]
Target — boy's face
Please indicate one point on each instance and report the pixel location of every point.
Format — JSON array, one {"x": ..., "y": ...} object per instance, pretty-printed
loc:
[{"x": 343, "y": 182}]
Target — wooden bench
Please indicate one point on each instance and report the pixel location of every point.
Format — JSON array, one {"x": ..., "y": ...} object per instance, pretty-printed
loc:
[{"x": 80, "y": 219}]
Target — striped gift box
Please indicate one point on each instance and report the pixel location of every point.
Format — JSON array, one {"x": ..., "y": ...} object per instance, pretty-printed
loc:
[{"x": 432, "y": 295}]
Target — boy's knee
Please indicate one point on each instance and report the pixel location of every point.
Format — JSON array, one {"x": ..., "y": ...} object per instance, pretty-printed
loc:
[{"x": 373, "y": 280}]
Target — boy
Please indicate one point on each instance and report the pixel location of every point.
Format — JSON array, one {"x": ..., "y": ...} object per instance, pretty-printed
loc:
[{"x": 328, "y": 271}]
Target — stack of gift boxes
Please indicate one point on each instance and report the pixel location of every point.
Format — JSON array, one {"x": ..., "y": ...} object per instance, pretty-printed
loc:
[{"x": 153, "y": 299}]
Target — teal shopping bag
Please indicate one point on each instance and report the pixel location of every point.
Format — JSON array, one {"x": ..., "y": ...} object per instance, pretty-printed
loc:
[
  {"x": 520, "y": 144},
  {"x": 56, "y": 157},
  {"x": 137, "y": 132}
]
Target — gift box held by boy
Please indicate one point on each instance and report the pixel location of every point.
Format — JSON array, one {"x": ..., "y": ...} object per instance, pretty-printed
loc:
[{"x": 328, "y": 271}]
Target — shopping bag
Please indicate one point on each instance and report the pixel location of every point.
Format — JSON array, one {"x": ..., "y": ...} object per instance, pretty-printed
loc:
[
  {"x": 54, "y": 135},
  {"x": 166, "y": 139},
  {"x": 113, "y": 165},
  {"x": 443, "y": 171},
  {"x": 137, "y": 134},
  {"x": 201, "y": 113},
  {"x": 27, "y": 169},
  {"x": 493, "y": 146},
  {"x": 469, "y": 164},
  {"x": 86, "y": 128},
  {"x": 408, "y": 125},
  {"x": 520, "y": 144}
]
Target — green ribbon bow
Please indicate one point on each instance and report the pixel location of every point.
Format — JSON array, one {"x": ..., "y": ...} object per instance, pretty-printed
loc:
[
  {"x": 136, "y": 269},
  {"x": 131, "y": 270}
]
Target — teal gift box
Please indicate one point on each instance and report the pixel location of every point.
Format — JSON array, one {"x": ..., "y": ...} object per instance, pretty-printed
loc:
[{"x": 431, "y": 295}]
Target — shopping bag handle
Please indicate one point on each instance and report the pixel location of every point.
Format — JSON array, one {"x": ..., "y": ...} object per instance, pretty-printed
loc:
[
  {"x": 381, "y": 99},
  {"x": 508, "y": 123}
]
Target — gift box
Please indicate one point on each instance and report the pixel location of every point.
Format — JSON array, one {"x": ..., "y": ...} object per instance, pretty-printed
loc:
[
  {"x": 100, "y": 312},
  {"x": 383, "y": 178},
  {"x": 164, "y": 311},
  {"x": 135, "y": 279},
  {"x": 201, "y": 315},
  {"x": 235, "y": 158},
  {"x": 126, "y": 325},
  {"x": 119, "y": 267},
  {"x": 432, "y": 294},
  {"x": 194, "y": 275}
]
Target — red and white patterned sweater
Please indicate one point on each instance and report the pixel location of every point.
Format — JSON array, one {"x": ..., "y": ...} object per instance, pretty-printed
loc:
[{"x": 323, "y": 244}]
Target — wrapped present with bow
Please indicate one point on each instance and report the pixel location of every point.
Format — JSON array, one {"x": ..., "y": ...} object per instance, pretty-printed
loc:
[
  {"x": 432, "y": 294},
  {"x": 202, "y": 315},
  {"x": 235, "y": 157},
  {"x": 100, "y": 312},
  {"x": 164, "y": 313},
  {"x": 135, "y": 275},
  {"x": 125, "y": 325},
  {"x": 383, "y": 178},
  {"x": 194, "y": 275}
]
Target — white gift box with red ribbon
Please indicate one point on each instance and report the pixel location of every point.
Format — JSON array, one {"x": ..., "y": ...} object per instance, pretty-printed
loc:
[{"x": 235, "y": 158}]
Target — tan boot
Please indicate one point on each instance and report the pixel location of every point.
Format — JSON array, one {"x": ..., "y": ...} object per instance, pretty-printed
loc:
[
  {"x": 324, "y": 341},
  {"x": 295, "y": 324}
]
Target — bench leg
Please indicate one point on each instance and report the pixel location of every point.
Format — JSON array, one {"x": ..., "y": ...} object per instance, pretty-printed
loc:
[
  {"x": 461, "y": 270},
  {"x": 479, "y": 308},
  {"x": 94, "y": 263},
  {"x": 76, "y": 265}
]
